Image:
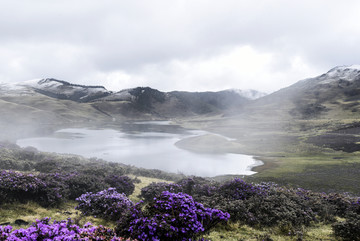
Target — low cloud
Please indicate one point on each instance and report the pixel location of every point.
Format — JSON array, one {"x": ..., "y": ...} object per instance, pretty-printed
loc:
[{"x": 196, "y": 45}]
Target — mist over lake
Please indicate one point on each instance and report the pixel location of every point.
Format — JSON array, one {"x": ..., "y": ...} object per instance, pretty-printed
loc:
[{"x": 143, "y": 144}]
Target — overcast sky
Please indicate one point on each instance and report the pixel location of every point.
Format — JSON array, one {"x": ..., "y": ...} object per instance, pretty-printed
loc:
[{"x": 193, "y": 45}]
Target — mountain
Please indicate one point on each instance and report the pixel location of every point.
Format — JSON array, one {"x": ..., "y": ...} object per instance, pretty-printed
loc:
[
  {"x": 319, "y": 112},
  {"x": 60, "y": 89},
  {"x": 43, "y": 105},
  {"x": 136, "y": 102},
  {"x": 335, "y": 94},
  {"x": 322, "y": 111}
]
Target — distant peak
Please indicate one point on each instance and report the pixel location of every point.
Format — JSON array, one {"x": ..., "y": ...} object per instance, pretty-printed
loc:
[
  {"x": 345, "y": 68},
  {"x": 346, "y": 72}
]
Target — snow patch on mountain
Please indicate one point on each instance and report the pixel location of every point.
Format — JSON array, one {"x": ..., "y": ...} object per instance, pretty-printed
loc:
[
  {"x": 62, "y": 89},
  {"x": 348, "y": 73},
  {"x": 122, "y": 95}
]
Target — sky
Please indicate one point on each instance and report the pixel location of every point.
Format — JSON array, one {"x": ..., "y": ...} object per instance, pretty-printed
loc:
[{"x": 191, "y": 45}]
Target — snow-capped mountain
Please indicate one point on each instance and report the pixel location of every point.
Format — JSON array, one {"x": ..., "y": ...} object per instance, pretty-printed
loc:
[
  {"x": 64, "y": 90},
  {"x": 348, "y": 73},
  {"x": 336, "y": 91}
]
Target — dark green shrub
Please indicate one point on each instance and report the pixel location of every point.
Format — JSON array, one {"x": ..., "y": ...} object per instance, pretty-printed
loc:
[
  {"x": 122, "y": 184},
  {"x": 348, "y": 230},
  {"x": 80, "y": 183}
]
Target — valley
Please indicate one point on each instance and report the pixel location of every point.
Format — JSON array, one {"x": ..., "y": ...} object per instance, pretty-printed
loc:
[
  {"x": 311, "y": 125},
  {"x": 306, "y": 136}
]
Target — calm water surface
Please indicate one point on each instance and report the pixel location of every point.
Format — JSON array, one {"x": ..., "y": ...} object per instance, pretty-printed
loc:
[{"x": 143, "y": 144}]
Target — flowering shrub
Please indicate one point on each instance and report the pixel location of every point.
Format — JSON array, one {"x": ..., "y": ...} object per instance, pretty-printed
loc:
[
  {"x": 55, "y": 190},
  {"x": 123, "y": 184},
  {"x": 107, "y": 204},
  {"x": 49, "y": 189},
  {"x": 240, "y": 190},
  {"x": 18, "y": 186},
  {"x": 15, "y": 186},
  {"x": 197, "y": 186},
  {"x": 154, "y": 189},
  {"x": 58, "y": 230},
  {"x": 171, "y": 216}
]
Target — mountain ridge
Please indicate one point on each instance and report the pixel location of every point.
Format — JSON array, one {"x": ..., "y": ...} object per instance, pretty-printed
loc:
[
  {"x": 333, "y": 97},
  {"x": 137, "y": 101}
]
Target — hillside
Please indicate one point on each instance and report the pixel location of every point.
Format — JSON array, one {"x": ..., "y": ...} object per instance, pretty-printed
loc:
[
  {"x": 40, "y": 106},
  {"x": 322, "y": 111}
]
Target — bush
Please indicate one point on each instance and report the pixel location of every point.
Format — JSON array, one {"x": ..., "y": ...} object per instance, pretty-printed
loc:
[
  {"x": 58, "y": 230},
  {"x": 45, "y": 189},
  {"x": 348, "y": 230},
  {"x": 240, "y": 190},
  {"x": 355, "y": 206},
  {"x": 122, "y": 184},
  {"x": 107, "y": 204},
  {"x": 16, "y": 186},
  {"x": 261, "y": 205},
  {"x": 198, "y": 187},
  {"x": 278, "y": 207},
  {"x": 171, "y": 216},
  {"x": 81, "y": 183},
  {"x": 55, "y": 191},
  {"x": 149, "y": 192}
]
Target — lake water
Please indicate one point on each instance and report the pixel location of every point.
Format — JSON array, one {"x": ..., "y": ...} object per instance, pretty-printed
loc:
[{"x": 143, "y": 144}]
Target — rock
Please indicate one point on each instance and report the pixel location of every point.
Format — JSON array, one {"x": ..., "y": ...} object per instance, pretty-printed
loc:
[{"x": 21, "y": 222}]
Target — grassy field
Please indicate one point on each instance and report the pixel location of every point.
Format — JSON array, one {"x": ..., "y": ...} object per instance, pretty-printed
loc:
[{"x": 337, "y": 172}]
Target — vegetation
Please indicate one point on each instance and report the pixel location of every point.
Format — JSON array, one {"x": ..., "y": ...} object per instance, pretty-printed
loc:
[
  {"x": 107, "y": 204},
  {"x": 41, "y": 185}
]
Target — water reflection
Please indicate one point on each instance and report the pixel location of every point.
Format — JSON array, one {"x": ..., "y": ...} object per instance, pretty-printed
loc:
[{"x": 148, "y": 145}]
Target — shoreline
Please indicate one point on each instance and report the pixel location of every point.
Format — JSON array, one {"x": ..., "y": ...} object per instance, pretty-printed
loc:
[{"x": 268, "y": 163}]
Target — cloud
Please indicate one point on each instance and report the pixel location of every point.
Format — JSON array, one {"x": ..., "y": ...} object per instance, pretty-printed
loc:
[
  {"x": 235, "y": 67},
  {"x": 191, "y": 45}
]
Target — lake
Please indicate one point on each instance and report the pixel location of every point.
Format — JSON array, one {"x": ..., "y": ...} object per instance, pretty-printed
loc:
[{"x": 143, "y": 144}]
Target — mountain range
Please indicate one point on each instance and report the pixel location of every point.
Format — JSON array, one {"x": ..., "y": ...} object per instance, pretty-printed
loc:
[
  {"x": 320, "y": 108},
  {"x": 137, "y": 103}
]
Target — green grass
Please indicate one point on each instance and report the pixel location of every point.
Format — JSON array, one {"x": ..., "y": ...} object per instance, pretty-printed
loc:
[
  {"x": 338, "y": 172},
  {"x": 31, "y": 211},
  {"x": 145, "y": 181},
  {"x": 236, "y": 232}
]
